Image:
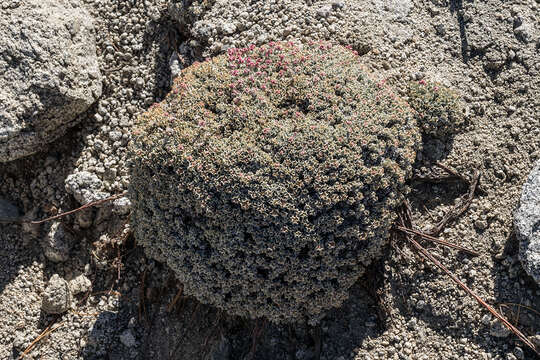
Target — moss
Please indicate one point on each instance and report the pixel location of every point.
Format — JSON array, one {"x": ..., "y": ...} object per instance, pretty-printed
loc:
[
  {"x": 439, "y": 109},
  {"x": 267, "y": 178}
]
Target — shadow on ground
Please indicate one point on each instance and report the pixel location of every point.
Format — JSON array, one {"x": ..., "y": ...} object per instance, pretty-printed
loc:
[{"x": 165, "y": 328}]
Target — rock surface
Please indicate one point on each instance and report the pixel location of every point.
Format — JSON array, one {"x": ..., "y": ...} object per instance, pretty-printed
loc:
[
  {"x": 57, "y": 243},
  {"x": 79, "y": 284},
  {"x": 48, "y": 73},
  {"x": 527, "y": 224},
  {"x": 85, "y": 187},
  {"x": 215, "y": 26},
  {"x": 57, "y": 296}
]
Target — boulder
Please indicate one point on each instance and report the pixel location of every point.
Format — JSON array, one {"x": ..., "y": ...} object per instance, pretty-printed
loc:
[
  {"x": 527, "y": 224},
  {"x": 49, "y": 73}
]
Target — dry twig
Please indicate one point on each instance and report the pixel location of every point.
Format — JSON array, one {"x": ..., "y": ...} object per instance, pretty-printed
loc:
[
  {"x": 460, "y": 209},
  {"x": 404, "y": 218},
  {"x": 22, "y": 220},
  {"x": 43, "y": 334},
  {"x": 176, "y": 298},
  {"x": 436, "y": 240}
]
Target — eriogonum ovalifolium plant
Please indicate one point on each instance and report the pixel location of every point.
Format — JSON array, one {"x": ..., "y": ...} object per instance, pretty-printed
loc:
[
  {"x": 439, "y": 109},
  {"x": 268, "y": 177}
]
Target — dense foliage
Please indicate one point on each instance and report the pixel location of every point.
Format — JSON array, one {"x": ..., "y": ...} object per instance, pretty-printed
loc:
[
  {"x": 439, "y": 109},
  {"x": 267, "y": 178}
]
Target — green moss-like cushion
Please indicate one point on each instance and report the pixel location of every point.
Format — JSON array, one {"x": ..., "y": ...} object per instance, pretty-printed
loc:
[
  {"x": 268, "y": 177},
  {"x": 439, "y": 110}
]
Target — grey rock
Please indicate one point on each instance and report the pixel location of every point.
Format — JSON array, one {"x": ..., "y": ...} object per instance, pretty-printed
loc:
[
  {"x": 79, "y": 284},
  {"x": 49, "y": 73},
  {"x": 57, "y": 297},
  {"x": 209, "y": 25},
  {"x": 518, "y": 352},
  {"x": 527, "y": 224},
  {"x": 85, "y": 187},
  {"x": 525, "y": 32},
  {"x": 398, "y": 9},
  {"x": 84, "y": 218},
  {"x": 498, "y": 330},
  {"x": 8, "y": 210},
  {"x": 122, "y": 206},
  {"x": 494, "y": 59},
  {"x": 31, "y": 231},
  {"x": 57, "y": 243},
  {"x": 174, "y": 66},
  {"x": 535, "y": 340},
  {"x": 324, "y": 11},
  {"x": 228, "y": 28},
  {"x": 127, "y": 339}
]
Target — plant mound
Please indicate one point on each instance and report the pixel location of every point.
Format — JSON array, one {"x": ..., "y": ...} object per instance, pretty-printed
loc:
[
  {"x": 268, "y": 177},
  {"x": 439, "y": 109}
]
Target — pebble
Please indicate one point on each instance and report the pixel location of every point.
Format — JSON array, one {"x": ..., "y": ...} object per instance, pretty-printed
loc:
[
  {"x": 79, "y": 284},
  {"x": 56, "y": 298},
  {"x": 498, "y": 330},
  {"x": 57, "y": 243},
  {"x": 518, "y": 352},
  {"x": 122, "y": 206},
  {"x": 524, "y": 32},
  {"x": 127, "y": 338},
  {"x": 481, "y": 224}
]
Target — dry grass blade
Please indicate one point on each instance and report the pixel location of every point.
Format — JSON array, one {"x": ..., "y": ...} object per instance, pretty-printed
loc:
[
  {"x": 45, "y": 332},
  {"x": 453, "y": 173},
  {"x": 494, "y": 312},
  {"x": 142, "y": 295},
  {"x": 255, "y": 337},
  {"x": 436, "y": 240}
]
